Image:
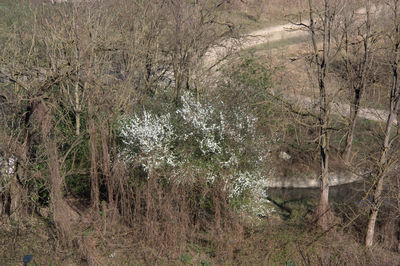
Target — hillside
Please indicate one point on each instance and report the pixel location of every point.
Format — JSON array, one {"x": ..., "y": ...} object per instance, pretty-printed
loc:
[{"x": 199, "y": 132}]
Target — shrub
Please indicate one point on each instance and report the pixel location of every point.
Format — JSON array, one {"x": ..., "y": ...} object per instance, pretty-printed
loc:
[{"x": 199, "y": 141}]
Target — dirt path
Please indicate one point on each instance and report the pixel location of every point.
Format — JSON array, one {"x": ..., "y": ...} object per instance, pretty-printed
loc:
[
  {"x": 278, "y": 33},
  {"x": 266, "y": 35},
  {"x": 342, "y": 109}
]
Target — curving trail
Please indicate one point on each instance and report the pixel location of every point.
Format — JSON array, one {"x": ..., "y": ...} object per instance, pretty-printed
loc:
[
  {"x": 217, "y": 55},
  {"x": 278, "y": 33},
  {"x": 270, "y": 34}
]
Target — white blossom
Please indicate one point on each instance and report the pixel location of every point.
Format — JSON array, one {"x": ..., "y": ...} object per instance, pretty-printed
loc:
[
  {"x": 151, "y": 140},
  {"x": 200, "y": 117},
  {"x": 7, "y": 165},
  {"x": 150, "y": 136}
]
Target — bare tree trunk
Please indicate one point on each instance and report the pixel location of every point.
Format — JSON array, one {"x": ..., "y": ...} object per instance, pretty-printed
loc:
[
  {"x": 358, "y": 85},
  {"x": 321, "y": 61},
  {"x": 178, "y": 81},
  {"x": 369, "y": 239},
  {"x": 398, "y": 122},
  {"x": 107, "y": 165},
  {"x": 77, "y": 50},
  {"x": 94, "y": 177},
  {"x": 16, "y": 192},
  {"x": 63, "y": 215},
  {"x": 77, "y": 109},
  {"x": 387, "y": 142},
  {"x": 377, "y": 196},
  {"x": 354, "y": 108},
  {"x": 323, "y": 206}
]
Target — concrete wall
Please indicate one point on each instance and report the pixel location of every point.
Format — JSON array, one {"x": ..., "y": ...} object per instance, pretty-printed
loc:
[{"x": 311, "y": 181}]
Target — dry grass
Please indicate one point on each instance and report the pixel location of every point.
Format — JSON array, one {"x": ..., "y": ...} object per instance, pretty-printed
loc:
[{"x": 272, "y": 241}]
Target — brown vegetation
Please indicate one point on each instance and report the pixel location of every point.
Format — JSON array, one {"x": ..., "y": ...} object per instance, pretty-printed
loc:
[{"x": 70, "y": 73}]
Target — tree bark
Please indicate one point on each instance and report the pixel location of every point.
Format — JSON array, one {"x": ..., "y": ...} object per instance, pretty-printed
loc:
[
  {"x": 323, "y": 206},
  {"x": 369, "y": 239},
  {"x": 354, "y": 108},
  {"x": 94, "y": 176},
  {"x": 16, "y": 193},
  {"x": 77, "y": 109},
  {"x": 107, "y": 165},
  {"x": 63, "y": 215}
]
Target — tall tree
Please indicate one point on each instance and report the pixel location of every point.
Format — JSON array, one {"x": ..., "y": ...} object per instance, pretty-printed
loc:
[
  {"x": 324, "y": 20},
  {"x": 385, "y": 163},
  {"x": 357, "y": 60}
]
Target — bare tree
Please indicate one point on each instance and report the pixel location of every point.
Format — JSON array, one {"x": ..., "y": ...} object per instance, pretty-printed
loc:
[
  {"x": 358, "y": 62},
  {"x": 324, "y": 20},
  {"x": 385, "y": 162},
  {"x": 194, "y": 28}
]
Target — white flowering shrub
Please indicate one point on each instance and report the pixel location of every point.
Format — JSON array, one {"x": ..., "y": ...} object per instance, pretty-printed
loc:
[
  {"x": 207, "y": 132},
  {"x": 147, "y": 139},
  {"x": 248, "y": 189},
  {"x": 7, "y": 169},
  {"x": 7, "y": 166},
  {"x": 197, "y": 140},
  {"x": 243, "y": 125}
]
